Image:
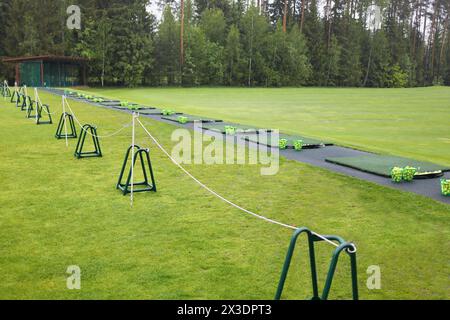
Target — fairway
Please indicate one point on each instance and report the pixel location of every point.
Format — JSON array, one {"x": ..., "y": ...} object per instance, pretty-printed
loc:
[
  {"x": 413, "y": 123},
  {"x": 182, "y": 243}
]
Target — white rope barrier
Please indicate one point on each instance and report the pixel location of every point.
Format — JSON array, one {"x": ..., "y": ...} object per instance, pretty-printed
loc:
[{"x": 226, "y": 200}]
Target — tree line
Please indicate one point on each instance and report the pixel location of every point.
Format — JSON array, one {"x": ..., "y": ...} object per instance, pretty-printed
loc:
[{"x": 239, "y": 42}]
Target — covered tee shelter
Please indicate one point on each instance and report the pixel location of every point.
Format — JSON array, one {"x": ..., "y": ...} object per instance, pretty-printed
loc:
[{"x": 49, "y": 71}]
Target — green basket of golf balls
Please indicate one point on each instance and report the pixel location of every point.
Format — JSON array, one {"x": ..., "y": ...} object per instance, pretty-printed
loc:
[{"x": 445, "y": 187}]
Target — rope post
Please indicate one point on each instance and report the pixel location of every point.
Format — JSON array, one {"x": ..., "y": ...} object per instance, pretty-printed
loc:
[
  {"x": 133, "y": 144},
  {"x": 26, "y": 96},
  {"x": 36, "y": 99},
  {"x": 65, "y": 120}
]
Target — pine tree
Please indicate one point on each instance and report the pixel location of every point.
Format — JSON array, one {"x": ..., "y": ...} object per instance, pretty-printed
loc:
[
  {"x": 214, "y": 26},
  {"x": 167, "y": 55},
  {"x": 314, "y": 31},
  {"x": 255, "y": 31},
  {"x": 233, "y": 53}
]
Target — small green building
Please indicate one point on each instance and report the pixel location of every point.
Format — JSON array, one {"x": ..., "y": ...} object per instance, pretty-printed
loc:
[{"x": 49, "y": 71}]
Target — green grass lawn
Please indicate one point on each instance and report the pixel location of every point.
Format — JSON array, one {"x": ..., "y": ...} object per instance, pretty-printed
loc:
[
  {"x": 182, "y": 243},
  {"x": 413, "y": 123}
]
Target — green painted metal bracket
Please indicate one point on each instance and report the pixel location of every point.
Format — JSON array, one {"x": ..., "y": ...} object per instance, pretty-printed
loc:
[
  {"x": 68, "y": 118},
  {"x": 92, "y": 131},
  {"x": 27, "y": 103},
  {"x": 40, "y": 108},
  {"x": 31, "y": 110},
  {"x": 5, "y": 91},
  {"x": 143, "y": 155},
  {"x": 14, "y": 97},
  {"x": 19, "y": 100},
  {"x": 343, "y": 246}
]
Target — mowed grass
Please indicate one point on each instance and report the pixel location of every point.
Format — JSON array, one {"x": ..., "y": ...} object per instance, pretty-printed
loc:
[
  {"x": 182, "y": 243},
  {"x": 413, "y": 122}
]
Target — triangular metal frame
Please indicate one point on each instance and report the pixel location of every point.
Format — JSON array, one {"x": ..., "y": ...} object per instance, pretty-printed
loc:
[
  {"x": 40, "y": 108},
  {"x": 144, "y": 186},
  {"x": 14, "y": 96},
  {"x": 343, "y": 246},
  {"x": 27, "y": 103},
  {"x": 30, "y": 113},
  {"x": 6, "y": 92},
  {"x": 73, "y": 130},
  {"x": 19, "y": 101},
  {"x": 92, "y": 131}
]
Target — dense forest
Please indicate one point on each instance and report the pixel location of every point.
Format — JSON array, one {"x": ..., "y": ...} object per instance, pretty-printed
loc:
[{"x": 237, "y": 42}]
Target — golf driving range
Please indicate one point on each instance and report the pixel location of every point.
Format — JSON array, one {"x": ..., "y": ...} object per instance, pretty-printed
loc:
[{"x": 182, "y": 234}]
